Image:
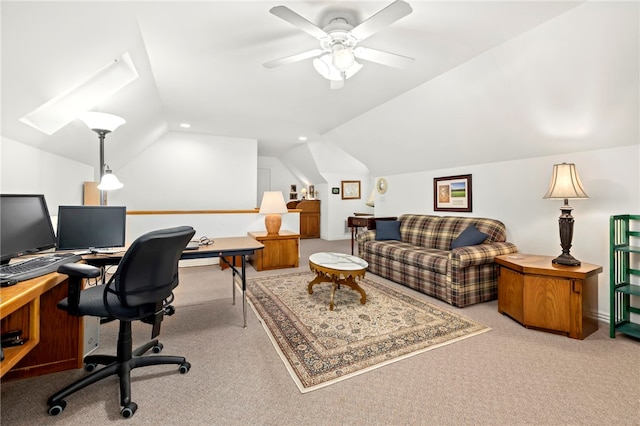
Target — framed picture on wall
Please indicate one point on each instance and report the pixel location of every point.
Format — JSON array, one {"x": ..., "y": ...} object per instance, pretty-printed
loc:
[
  {"x": 335, "y": 190},
  {"x": 452, "y": 193},
  {"x": 350, "y": 189}
]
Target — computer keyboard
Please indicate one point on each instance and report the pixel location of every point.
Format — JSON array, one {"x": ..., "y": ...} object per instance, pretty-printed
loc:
[{"x": 35, "y": 267}]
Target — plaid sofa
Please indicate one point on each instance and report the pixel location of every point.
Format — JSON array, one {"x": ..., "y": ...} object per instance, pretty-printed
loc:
[{"x": 423, "y": 260}]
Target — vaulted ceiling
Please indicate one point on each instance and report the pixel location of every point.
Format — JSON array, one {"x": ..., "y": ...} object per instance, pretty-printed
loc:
[{"x": 201, "y": 63}]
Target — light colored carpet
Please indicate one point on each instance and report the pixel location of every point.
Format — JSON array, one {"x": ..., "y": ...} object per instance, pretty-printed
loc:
[
  {"x": 509, "y": 376},
  {"x": 321, "y": 347}
]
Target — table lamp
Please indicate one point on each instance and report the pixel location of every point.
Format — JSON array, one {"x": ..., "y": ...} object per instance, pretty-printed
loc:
[
  {"x": 273, "y": 206},
  {"x": 565, "y": 184}
]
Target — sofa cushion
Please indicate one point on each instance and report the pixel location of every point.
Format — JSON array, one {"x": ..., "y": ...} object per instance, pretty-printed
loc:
[
  {"x": 471, "y": 236},
  {"x": 408, "y": 254},
  {"x": 418, "y": 229},
  {"x": 387, "y": 230}
]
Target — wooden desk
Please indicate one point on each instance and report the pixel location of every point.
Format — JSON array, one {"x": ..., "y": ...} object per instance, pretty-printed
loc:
[
  {"x": 542, "y": 295},
  {"x": 54, "y": 337},
  {"x": 369, "y": 222},
  {"x": 280, "y": 251}
]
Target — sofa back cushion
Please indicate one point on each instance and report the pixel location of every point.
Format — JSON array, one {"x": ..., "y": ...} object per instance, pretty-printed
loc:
[
  {"x": 417, "y": 229},
  {"x": 438, "y": 232}
]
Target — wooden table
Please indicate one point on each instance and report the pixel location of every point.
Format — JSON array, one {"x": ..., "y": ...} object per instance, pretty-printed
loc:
[
  {"x": 543, "y": 295},
  {"x": 338, "y": 269},
  {"x": 281, "y": 250}
]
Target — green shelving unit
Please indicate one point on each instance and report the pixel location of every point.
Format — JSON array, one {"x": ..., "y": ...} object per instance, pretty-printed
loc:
[{"x": 624, "y": 278}]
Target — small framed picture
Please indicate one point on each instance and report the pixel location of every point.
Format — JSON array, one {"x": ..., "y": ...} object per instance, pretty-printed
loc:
[
  {"x": 452, "y": 193},
  {"x": 335, "y": 190},
  {"x": 350, "y": 189},
  {"x": 294, "y": 188}
]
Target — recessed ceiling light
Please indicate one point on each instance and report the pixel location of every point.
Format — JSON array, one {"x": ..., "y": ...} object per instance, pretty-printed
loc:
[
  {"x": 302, "y": 138},
  {"x": 185, "y": 125}
]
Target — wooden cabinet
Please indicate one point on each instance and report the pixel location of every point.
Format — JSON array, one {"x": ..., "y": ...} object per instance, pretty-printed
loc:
[
  {"x": 54, "y": 337},
  {"x": 309, "y": 217},
  {"x": 542, "y": 295},
  {"x": 280, "y": 251}
]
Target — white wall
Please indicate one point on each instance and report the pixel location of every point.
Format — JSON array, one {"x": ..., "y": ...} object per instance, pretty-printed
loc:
[
  {"x": 512, "y": 191},
  {"x": 28, "y": 170},
  {"x": 281, "y": 176},
  {"x": 183, "y": 171}
]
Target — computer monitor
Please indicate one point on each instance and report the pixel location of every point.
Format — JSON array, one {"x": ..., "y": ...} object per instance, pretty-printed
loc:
[
  {"x": 25, "y": 225},
  {"x": 87, "y": 227}
]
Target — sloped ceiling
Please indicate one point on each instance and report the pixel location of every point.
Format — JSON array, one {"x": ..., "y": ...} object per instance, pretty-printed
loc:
[{"x": 201, "y": 62}]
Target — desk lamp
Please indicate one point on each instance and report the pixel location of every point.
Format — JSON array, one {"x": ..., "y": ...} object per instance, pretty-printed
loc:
[
  {"x": 565, "y": 184},
  {"x": 103, "y": 123},
  {"x": 273, "y": 206}
]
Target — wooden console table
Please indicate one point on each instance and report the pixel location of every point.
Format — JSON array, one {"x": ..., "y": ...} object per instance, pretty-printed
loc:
[
  {"x": 280, "y": 251},
  {"x": 54, "y": 338},
  {"x": 542, "y": 295}
]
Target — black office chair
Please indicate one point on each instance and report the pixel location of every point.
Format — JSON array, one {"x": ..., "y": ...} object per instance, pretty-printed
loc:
[{"x": 140, "y": 289}]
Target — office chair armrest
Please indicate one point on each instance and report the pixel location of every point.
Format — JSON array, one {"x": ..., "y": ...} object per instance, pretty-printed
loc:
[{"x": 77, "y": 272}]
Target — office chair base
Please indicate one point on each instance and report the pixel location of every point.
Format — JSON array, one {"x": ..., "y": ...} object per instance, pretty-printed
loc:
[
  {"x": 91, "y": 362},
  {"x": 121, "y": 366}
]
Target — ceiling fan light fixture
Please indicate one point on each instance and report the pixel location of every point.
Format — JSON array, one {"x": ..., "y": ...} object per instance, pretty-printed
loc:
[
  {"x": 342, "y": 57},
  {"x": 324, "y": 66}
]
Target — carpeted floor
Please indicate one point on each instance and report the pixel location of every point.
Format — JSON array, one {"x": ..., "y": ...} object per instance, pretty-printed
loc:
[
  {"x": 320, "y": 346},
  {"x": 508, "y": 376}
]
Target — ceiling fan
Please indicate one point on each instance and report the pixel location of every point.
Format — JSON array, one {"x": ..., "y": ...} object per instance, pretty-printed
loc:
[{"x": 335, "y": 59}]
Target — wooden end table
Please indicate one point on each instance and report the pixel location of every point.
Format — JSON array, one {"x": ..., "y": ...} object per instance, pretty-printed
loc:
[
  {"x": 280, "y": 250},
  {"x": 338, "y": 269},
  {"x": 546, "y": 296}
]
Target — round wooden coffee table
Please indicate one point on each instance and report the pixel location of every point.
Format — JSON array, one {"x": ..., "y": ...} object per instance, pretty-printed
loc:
[{"x": 338, "y": 269}]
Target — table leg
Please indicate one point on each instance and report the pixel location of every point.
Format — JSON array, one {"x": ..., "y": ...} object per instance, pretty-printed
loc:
[
  {"x": 320, "y": 278},
  {"x": 244, "y": 291},
  {"x": 351, "y": 282},
  {"x": 333, "y": 292},
  {"x": 352, "y": 237}
]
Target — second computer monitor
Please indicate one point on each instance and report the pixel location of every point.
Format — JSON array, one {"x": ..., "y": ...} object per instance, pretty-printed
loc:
[{"x": 84, "y": 227}]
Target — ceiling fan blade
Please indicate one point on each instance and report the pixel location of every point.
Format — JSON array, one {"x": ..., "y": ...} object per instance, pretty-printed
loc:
[
  {"x": 390, "y": 14},
  {"x": 293, "y": 58},
  {"x": 296, "y": 20},
  {"x": 381, "y": 57}
]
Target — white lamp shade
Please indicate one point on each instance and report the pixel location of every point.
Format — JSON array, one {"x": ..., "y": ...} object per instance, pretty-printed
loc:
[
  {"x": 371, "y": 201},
  {"x": 273, "y": 202},
  {"x": 109, "y": 182},
  {"x": 343, "y": 58},
  {"x": 324, "y": 66},
  {"x": 565, "y": 183},
  {"x": 101, "y": 121}
]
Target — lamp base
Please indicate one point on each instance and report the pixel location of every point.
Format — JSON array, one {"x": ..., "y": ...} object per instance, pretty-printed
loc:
[
  {"x": 566, "y": 259},
  {"x": 272, "y": 222}
]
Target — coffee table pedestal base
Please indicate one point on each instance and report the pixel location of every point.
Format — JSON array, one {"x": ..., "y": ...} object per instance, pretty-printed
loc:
[{"x": 337, "y": 278}]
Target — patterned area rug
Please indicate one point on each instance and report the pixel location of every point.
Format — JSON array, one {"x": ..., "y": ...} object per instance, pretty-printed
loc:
[{"x": 321, "y": 347}]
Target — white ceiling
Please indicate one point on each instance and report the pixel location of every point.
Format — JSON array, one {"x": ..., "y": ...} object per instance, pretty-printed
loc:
[{"x": 201, "y": 62}]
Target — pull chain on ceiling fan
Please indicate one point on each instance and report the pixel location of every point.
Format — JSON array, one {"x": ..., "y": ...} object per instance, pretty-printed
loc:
[{"x": 336, "y": 58}]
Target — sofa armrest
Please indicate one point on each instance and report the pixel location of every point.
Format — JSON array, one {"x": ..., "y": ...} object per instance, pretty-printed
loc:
[
  {"x": 480, "y": 254},
  {"x": 364, "y": 236}
]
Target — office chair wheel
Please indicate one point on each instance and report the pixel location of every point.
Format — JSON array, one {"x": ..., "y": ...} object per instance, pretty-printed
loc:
[
  {"x": 90, "y": 367},
  {"x": 184, "y": 368},
  {"x": 158, "y": 348},
  {"x": 58, "y": 408},
  {"x": 129, "y": 410},
  {"x": 169, "y": 310}
]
